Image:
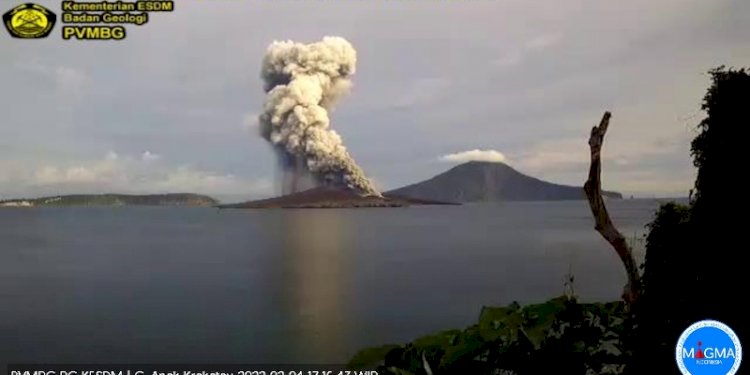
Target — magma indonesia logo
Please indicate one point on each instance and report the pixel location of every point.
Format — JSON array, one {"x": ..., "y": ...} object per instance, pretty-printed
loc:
[
  {"x": 708, "y": 347},
  {"x": 29, "y": 21}
]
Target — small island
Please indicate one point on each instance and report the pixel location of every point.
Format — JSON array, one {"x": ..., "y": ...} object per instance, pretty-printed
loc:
[
  {"x": 114, "y": 200},
  {"x": 333, "y": 197}
]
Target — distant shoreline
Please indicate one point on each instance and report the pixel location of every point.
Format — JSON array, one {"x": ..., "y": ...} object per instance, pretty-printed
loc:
[{"x": 114, "y": 200}]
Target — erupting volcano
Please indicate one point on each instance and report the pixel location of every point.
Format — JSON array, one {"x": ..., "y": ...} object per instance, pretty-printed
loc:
[
  {"x": 332, "y": 197},
  {"x": 302, "y": 83}
]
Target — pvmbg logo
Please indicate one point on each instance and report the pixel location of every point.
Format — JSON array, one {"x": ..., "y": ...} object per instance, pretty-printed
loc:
[
  {"x": 708, "y": 347},
  {"x": 29, "y": 21}
]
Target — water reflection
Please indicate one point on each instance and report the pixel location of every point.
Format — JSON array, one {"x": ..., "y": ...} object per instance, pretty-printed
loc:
[{"x": 315, "y": 252}]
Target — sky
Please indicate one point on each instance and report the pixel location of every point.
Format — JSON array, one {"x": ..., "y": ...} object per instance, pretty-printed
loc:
[{"x": 173, "y": 107}]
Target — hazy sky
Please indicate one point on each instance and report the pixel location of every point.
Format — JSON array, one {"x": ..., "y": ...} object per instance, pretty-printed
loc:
[{"x": 173, "y": 106}]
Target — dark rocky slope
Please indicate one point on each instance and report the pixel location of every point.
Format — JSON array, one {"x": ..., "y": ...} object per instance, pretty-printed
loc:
[{"x": 330, "y": 197}]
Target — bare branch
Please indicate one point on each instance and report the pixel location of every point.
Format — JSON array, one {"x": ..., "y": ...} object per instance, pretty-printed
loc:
[{"x": 604, "y": 225}]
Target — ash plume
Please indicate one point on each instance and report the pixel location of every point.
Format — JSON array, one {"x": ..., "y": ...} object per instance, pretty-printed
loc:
[{"x": 302, "y": 83}]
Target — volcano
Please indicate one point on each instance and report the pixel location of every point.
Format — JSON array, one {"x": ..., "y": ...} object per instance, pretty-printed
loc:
[
  {"x": 333, "y": 197},
  {"x": 478, "y": 181}
]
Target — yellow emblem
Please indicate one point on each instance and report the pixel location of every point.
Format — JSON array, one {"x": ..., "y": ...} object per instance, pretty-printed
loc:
[{"x": 29, "y": 21}]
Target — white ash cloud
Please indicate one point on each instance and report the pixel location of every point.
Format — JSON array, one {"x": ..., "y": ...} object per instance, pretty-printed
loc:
[{"x": 303, "y": 82}]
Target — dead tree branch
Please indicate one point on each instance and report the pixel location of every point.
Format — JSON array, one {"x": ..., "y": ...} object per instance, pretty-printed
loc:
[{"x": 604, "y": 225}]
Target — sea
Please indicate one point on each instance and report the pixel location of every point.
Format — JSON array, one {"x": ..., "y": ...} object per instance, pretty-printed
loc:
[{"x": 203, "y": 285}]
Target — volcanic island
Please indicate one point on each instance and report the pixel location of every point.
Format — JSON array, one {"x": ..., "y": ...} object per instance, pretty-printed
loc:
[{"x": 334, "y": 197}]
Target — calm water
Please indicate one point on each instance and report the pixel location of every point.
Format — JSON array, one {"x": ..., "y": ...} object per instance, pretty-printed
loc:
[{"x": 195, "y": 285}]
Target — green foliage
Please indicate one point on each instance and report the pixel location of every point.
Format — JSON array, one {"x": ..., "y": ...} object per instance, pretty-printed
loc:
[
  {"x": 717, "y": 226},
  {"x": 668, "y": 228},
  {"x": 370, "y": 357},
  {"x": 717, "y": 223},
  {"x": 692, "y": 265},
  {"x": 718, "y": 150},
  {"x": 666, "y": 287},
  {"x": 558, "y": 336}
]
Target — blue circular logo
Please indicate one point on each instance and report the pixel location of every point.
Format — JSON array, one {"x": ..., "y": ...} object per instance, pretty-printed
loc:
[{"x": 708, "y": 347}]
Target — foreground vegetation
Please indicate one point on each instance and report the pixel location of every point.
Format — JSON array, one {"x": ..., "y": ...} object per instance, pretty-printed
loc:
[{"x": 559, "y": 336}]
